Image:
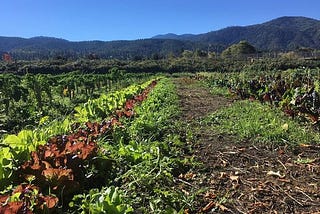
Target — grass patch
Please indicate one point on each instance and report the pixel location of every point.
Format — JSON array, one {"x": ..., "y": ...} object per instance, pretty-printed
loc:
[
  {"x": 253, "y": 120},
  {"x": 216, "y": 88},
  {"x": 220, "y": 91}
]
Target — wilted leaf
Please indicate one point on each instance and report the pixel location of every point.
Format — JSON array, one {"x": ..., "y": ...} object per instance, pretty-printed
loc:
[{"x": 50, "y": 201}]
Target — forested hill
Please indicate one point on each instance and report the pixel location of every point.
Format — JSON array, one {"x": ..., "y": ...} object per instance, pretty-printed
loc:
[
  {"x": 285, "y": 33},
  {"x": 47, "y": 47}
]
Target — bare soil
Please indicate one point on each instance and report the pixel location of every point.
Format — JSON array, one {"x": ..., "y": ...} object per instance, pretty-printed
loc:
[{"x": 239, "y": 176}]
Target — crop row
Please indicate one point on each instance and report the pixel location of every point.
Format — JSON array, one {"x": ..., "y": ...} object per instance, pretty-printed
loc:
[
  {"x": 296, "y": 92},
  {"x": 25, "y": 100},
  {"x": 16, "y": 148},
  {"x": 121, "y": 164},
  {"x": 61, "y": 164}
]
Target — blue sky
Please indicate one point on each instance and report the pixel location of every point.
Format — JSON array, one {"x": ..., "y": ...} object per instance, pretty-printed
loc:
[{"x": 107, "y": 20}]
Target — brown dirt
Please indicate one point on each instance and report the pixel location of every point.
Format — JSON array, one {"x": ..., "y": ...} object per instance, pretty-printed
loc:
[
  {"x": 196, "y": 101},
  {"x": 242, "y": 177}
]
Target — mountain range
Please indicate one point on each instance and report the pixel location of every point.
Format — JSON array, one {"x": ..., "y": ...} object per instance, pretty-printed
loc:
[
  {"x": 281, "y": 34},
  {"x": 285, "y": 33}
]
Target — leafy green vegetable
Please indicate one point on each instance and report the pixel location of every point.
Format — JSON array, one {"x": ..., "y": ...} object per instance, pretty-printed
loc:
[{"x": 108, "y": 200}]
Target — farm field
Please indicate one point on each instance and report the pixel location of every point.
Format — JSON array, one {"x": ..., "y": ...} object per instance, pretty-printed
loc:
[
  {"x": 169, "y": 107},
  {"x": 249, "y": 161},
  {"x": 193, "y": 143}
]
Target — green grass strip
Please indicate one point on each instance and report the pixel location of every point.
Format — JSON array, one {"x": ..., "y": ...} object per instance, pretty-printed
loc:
[{"x": 260, "y": 123}]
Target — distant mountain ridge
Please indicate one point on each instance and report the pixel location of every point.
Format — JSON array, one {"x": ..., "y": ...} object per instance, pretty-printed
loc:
[
  {"x": 47, "y": 47},
  {"x": 281, "y": 34},
  {"x": 175, "y": 36},
  {"x": 284, "y": 33}
]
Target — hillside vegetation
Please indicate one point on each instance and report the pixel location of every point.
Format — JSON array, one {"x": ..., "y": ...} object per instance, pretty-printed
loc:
[{"x": 282, "y": 34}]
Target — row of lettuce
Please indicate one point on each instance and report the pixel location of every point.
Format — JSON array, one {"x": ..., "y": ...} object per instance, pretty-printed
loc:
[
  {"x": 118, "y": 156},
  {"x": 16, "y": 148},
  {"x": 25, "y": 99}
]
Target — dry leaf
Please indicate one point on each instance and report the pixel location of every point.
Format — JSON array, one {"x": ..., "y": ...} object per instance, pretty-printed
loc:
[
  {"x": 223, "y": 174},
  {"x": 210, "y": 195},
  {"x": 186, "y": 211},
  {"x": 223, "y": 208},
  {"x": 187, "y": 176},
  {"x": 209, "y": 206},
  {"x": 272, "y": 173},
  {"x": 234, "y": 178},
  {"x": 185, "y": 192},
  {"x": 285, "y": 180}
]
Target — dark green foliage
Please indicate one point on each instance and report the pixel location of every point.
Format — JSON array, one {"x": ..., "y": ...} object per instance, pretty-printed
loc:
[{"x": 240, "y": 50}]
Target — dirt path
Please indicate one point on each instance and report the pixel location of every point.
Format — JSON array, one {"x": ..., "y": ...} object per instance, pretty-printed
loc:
[
  {"x": 196, "y": 101},
  {"x": 241, "y": 177}
]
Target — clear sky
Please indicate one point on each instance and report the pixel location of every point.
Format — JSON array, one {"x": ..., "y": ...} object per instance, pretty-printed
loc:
[{"x": 107, "y": 20}]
